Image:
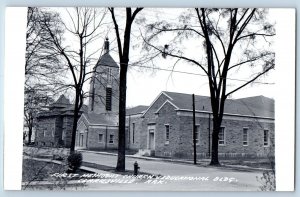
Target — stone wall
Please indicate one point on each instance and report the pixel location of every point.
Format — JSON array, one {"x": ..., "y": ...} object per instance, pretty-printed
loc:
[
  {"x": 94, "y": 142},
  {"x": 67, "y": 128},
  {"x": 53, "y": 127},
  {"x": 134, "y": 137},
  {"x": 45, "y": 132},
  {"x": 149, "y": 118},
  {"x": 100, "y": 85},
  {"x": 233, "y": 146},
  {"x": 167, "y": 116},
  {"x": 181, "y": 134}
]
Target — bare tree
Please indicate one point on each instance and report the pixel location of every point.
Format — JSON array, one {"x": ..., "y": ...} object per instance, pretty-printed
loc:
[
  {"x": 221, "y": 33},
  {"x": 123, "y": 51},
  {"x": 35, "y": 102},
  {"x": 83, "y": 27},
  {"x": 42, "y": 69}
]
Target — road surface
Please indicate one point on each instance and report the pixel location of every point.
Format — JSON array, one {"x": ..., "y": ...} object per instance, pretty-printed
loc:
[{"x": 176, "y": 176}]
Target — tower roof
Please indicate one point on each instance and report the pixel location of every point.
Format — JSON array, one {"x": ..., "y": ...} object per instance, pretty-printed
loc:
[
  {"x": 107, "y": 60},
  {"x": 62, "y": 101}
]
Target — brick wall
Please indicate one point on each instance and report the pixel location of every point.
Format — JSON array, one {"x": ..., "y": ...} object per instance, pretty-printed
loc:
[
  {"x": 167, "y": 116},
  {"x": 100, "y": 90},
  {"x": 93, "y": 138},
  {"x": 149, "y": 117},
  {"x": 45, "y": 131},
  {"x": 67, "y": 128},
  {"x": 181, "y": 135},
  {"x": 134, "y": 144}
]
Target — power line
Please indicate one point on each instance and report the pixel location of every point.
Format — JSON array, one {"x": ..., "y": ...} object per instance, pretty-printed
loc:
[
  {"x": 198, "y": 74},
  {"x": 190, "y": 73}
]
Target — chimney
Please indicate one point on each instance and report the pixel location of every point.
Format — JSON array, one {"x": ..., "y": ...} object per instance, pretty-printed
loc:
[{"x": 106, "y": 46}]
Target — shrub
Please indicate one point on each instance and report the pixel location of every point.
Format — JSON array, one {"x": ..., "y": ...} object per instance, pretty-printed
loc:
[
  {"x": 74, "y": 161},
  {"x": 268, "y": 179}
]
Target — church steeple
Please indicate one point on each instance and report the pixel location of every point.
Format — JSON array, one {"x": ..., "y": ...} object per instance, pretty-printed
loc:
[{"x": 104, "y": 87}]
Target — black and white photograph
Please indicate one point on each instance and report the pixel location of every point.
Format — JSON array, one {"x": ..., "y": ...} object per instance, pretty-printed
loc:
[{"x": 149, "y": 99}]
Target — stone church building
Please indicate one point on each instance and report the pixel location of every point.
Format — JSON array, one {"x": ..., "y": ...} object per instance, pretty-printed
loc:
[
  {"x": 98, "y": 128},
  {"x": 164, "y": 128},
  {"x": 54, "y": 127}
]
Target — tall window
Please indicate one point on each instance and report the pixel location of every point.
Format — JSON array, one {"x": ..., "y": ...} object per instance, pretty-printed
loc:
[
  {"x": 100, "y": 137},
  {"x": 45, "y": 133},
  {"x": 167, "y": 128},
  {"x": 108, "y": 98},
  {"x": 266, "y": 137},
  {"x": 133, "y": 132},
  {"x": 109, "y": 75},
  {"x": 111, "y": 139},
  {"x": 197, "y": 134},
  {"x": 63, "y": 135},
  {"x": 245, "y": 136},
  {"x": 222, "y": 136}
]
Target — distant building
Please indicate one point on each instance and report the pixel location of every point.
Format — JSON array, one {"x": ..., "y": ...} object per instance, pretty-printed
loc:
[{"x": 54, "y": 127}]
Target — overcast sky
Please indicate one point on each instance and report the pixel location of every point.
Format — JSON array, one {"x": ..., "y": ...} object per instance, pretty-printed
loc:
[{"x": 144, "y": 85}]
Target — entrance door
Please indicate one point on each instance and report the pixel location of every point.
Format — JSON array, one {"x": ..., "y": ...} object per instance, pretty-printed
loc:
[
  {"x": 151, "y": 139},
  {"x": 81, "y": 140}
]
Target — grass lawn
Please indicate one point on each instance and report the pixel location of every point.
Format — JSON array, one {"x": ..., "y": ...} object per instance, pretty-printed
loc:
[{"x": 37, "y": 175}]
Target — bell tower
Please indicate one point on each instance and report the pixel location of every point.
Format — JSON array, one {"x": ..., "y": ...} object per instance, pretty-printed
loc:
[{"x": 104, "y": 86}]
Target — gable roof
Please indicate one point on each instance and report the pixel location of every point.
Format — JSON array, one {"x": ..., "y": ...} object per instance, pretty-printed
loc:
[
  {"x": 61, "y": 102},
  {"x": 61, "y": 106},
  {"x": 252, "y": 106},
  {"x": 136, "y": 110},
  {"x": 106, "y": 60}
]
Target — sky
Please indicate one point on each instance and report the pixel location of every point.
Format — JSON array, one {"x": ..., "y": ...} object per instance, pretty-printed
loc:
[{"x": 144, "y": 85}]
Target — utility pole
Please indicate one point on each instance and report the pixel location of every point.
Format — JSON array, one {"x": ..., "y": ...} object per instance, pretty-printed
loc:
[
  {"x": 194, "y": 131},
  {"x": 209, "y": 134}
]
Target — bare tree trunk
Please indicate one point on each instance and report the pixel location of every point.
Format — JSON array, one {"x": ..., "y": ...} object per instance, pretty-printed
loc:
[
  {"x": 122, "y": 120},
  {"x": 124, "y": 59},
  {"x": 75, "y": 119},
  {"x": 215, "y": 143}
]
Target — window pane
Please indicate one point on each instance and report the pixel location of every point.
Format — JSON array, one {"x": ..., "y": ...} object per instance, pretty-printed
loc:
[
  {"x": 221, "y": 136},
  {"x": 197, "y": 133},
  {"x": 133, "y": 131},
  {"x": 167, "y": 132},
  {"x": 108, "y": 98},
  {"x": 111, "y": 138},
  {"x": 266, "y": 137},
  {"x": 245, "y": 136},
  {"x": 100, "y": 137}
]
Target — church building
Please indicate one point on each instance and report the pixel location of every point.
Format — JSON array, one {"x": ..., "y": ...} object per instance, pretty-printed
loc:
[
  {"x": 165, "y": 127},
  {"x": 98, "y": 128}
]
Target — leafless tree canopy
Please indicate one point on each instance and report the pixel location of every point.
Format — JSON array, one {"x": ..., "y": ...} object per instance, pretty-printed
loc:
[{"x": 220, "y": 33}]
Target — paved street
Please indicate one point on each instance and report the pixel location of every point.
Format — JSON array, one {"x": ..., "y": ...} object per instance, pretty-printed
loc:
[{"x": 236, "y": 180}]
